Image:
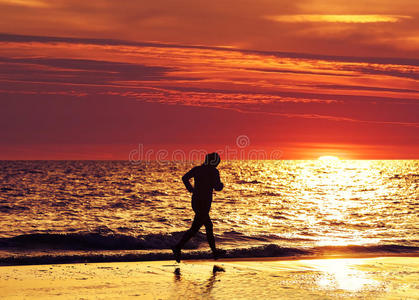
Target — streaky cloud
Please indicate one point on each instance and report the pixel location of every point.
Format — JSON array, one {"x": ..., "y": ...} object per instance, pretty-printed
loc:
[
  {"x": 365, "y": 88},
  {"x": 266, "y": 70},
  {"x": 89, "y": 71},
  {"x": 6, "y": 37}
]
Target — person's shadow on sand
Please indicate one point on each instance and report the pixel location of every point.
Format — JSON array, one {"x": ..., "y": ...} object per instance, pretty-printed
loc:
[{"x": 189, "y": 289}]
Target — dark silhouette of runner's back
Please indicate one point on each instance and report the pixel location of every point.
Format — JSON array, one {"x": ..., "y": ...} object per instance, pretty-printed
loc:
[{"x": 206, "y": 179}]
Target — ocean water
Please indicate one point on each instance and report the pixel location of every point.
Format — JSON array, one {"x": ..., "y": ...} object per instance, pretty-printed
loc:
[{"x": 99, "y": 210}]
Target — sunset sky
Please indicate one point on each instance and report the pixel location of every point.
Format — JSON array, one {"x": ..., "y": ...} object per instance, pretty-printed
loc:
[{"x": 95, "y": 79}]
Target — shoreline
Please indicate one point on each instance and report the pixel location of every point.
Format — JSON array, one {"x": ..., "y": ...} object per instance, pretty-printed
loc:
[{"x": 91, "y": 258}]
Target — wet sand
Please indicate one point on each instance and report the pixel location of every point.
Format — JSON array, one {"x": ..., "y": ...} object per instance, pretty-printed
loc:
[{"x": 343, "y": 278}]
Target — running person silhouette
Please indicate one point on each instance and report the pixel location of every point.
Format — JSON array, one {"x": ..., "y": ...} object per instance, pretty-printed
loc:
[{"x": 206, "y": 179}]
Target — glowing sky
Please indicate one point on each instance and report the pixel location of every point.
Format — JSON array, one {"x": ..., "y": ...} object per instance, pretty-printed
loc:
[{"x": 93, "y": 79}]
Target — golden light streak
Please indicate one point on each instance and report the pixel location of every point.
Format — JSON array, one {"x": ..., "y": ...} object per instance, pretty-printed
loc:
[
  {"x": 30, "y": 3},
  {"x": 339, "y": 18}
]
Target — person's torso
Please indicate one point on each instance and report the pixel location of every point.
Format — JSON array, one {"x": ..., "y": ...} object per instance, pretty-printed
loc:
[{"x": 204, "y": 177}]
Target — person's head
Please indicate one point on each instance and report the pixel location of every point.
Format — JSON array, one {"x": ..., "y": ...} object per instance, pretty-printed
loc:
[{"x": 212, "y": 159}]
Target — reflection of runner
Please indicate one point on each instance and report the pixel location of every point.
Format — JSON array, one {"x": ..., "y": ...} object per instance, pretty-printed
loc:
[{"x": 206, "y": 179}]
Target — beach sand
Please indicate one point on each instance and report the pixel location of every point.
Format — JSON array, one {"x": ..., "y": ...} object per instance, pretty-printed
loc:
[{"x": 341, "y": 278}]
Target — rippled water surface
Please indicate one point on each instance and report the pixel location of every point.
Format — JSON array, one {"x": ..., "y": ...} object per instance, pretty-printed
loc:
[{"x": 288, "y": 203}]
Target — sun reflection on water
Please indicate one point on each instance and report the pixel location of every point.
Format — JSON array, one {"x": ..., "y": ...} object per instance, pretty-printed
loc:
[
  {"x": 332, "y": 188},
  {"x": 343, "y": 274}
]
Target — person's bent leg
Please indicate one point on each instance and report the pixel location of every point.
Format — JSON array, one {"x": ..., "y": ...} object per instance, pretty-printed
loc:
[
  {"x": 196, "y": 224},
  {"x": 210, "y": 233}
]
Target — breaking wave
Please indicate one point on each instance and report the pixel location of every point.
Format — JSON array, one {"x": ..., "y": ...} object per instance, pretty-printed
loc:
[
  {"x": 93, "y": 247},
  {"x": 96, "y": 241}
]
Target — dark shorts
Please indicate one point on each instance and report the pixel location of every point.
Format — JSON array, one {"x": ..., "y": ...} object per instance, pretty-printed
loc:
[
  {"x": 201, "y": 219},
  {"x": 201, "y": 205}
]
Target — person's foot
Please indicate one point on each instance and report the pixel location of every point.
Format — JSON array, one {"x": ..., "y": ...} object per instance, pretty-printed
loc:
[
  {"x": 218, "y": 253},
  {"x": 176, "y": 253}
]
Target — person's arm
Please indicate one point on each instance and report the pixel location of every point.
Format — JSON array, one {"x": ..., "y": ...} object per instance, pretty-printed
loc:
[
  {"x": 218, "y": 185},
  {"x": 186, "y": 178}
]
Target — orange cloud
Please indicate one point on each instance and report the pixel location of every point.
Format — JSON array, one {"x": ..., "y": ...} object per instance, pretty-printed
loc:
[{"x": 335, "y": 29}]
